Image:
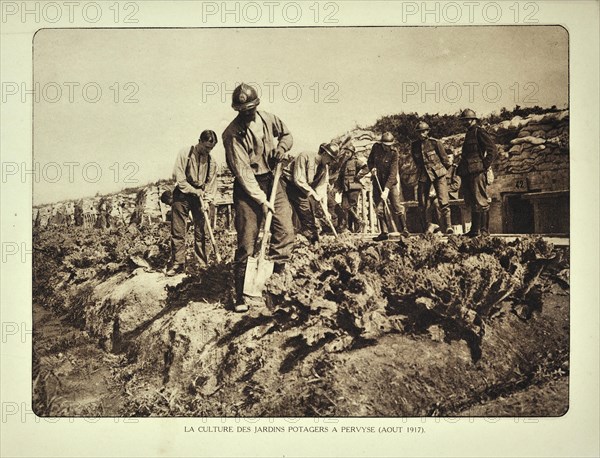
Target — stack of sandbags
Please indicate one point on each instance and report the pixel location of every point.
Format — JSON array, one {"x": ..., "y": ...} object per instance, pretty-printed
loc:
[{"x": 541, "y": 144}]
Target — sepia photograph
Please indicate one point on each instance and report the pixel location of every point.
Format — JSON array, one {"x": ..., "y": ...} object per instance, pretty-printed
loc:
[{"x": 301, "y": 222}]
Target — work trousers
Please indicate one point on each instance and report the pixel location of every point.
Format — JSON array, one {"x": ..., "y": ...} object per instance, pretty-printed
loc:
[
  {"x": 182, "y": 205},
  {"x": 474, "y": 191},
  {"x": 443, "y": 200},
  {"x": 397, "y": 209},
  {"x": 304, "y": 208},
  {"x": 350, "y": 218},
  {"x": 248, "y": 219}
]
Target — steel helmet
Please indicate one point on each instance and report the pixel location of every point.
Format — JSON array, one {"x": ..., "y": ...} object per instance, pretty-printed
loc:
[
  {"x": 349, "y": 147},
  {"x": 468, "y": 114},
  {"x": 244, "y": 98},
  {"x": 387, "y": 138},
  {"x": 422, "y": 126},
  {"x": 330, "y": 148}
]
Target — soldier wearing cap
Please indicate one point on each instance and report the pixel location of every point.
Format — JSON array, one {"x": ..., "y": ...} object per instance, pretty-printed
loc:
[
  {"x": 383, "y": 163},
  {"x": 349, "y": 181},
  {"x": 432, "y": 163},
  {"x": 254, "y": 142},
  {"x": 196, "y": 176},
  {"x": 307, "y": 179},
  {"x": 478, "y": 154}
]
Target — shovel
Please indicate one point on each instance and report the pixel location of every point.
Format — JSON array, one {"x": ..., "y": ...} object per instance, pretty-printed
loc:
[
  {"x": 259, "y": 268},
  {"x": 386, "y": 206},
  {"x": 328, "y": 217},
  {"x": 210, "y": 231}
]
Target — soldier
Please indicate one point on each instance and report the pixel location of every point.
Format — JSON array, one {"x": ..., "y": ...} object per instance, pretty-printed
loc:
[
  {"x": 349, "y": 181},
  {"x": 195, "y": 173},
  {"x": 434, "y": 212},
  {"x": 254, "y": 142},
  {"x": 432, "y": 163},
  {"x": 478, "y": 155},
  {"x": 383, "y": 163},
  {"x": 307, "y": 179}
]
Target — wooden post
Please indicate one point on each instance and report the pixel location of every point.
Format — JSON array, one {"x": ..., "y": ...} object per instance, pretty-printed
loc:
[{"x": 229, "y": 216}]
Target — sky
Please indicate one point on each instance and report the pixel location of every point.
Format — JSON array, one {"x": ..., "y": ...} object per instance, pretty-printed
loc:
[{"x": 115, "y": 106}]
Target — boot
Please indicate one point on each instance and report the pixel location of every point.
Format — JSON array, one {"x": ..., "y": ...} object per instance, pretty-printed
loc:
[
  {"x": 448, "y": 222},
  {"x": 403, "y": 226},
  {"x": 432, "y": 228},
  {"x": 240, "y": 303},
  {"x": 314, "y": 238},
  {"x": 355, "y": 224},
  {"x": 381, "y": 237},
  {"x": 485, "y": 223},
  {"x": 176, "y": 269},
  {"x": 475, "y": 224},
  {"x": 345, "y": 223},
  {"x": 384, "y": 231}
]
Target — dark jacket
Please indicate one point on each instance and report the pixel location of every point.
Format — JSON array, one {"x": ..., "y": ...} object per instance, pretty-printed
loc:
[
  {"x": 385, "y": 160},
  {"x": 478, "y": 152},
  {"x": 430, "y": 158},
  {"x": 351, "y": 173}
]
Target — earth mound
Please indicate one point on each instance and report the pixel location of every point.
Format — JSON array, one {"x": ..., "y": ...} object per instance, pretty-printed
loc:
[{"x": 417, "y": 327}]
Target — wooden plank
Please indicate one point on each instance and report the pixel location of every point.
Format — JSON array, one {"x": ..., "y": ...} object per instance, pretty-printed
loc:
[{"x": 545, "y": 194}]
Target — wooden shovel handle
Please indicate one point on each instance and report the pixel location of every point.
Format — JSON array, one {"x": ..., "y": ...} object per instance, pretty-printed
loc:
[
  {"x": 269, "y": 218},
  {"x": 328, "y": 218},
  {"x": 210, "y": 231},
  {"x": 386, "y": 206}
]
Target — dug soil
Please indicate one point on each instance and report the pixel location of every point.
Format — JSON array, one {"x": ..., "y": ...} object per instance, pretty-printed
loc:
[{"x": 417, "y": 327}]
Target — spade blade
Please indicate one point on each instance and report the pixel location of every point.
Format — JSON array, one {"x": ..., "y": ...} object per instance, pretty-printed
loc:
[{"x": 258, "y": 271}]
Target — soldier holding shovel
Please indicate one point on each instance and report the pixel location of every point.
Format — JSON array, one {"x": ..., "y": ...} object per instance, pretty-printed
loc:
[
  {"x": 349, "y": 181},
  {"x": 383, "y": 163},
  {"x": 307, "y": 176},
  {"x": 196, "y": 176},
  {"x": 255, "y": 141}
]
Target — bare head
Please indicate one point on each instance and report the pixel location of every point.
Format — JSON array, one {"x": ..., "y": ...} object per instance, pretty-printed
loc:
[{"x": 208, "y": 140}]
